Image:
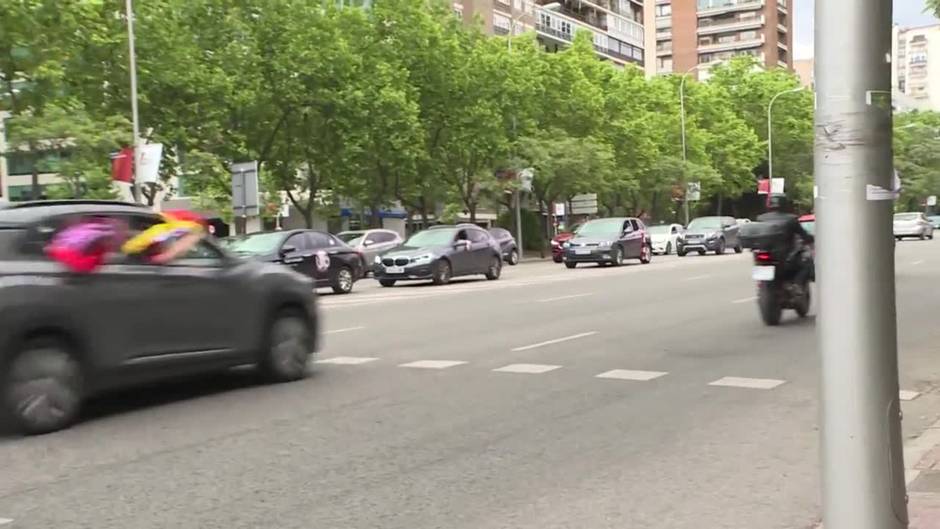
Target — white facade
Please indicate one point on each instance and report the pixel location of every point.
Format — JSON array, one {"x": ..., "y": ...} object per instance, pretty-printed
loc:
[{"x": 916, "y": 67}]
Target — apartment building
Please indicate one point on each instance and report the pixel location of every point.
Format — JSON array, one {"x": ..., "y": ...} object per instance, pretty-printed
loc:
[
  {"x": 694, "y": 34},
  {"x": 916, "y": 67},
  {"x": 616, "y": 25}
]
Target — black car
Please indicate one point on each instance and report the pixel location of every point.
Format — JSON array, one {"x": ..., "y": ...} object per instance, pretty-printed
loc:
[
  {"x": 710, "y": 234},
  {"x": 65, "y": 335},
  {"x": 321, "y": 256},
  {"x": 507, "y": 245},
  {"x": 439, "y": 254},
  {"x": 609, "y": 241}
]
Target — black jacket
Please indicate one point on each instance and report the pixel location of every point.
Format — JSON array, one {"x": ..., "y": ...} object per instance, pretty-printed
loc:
[{"x": 791, "y": 223}]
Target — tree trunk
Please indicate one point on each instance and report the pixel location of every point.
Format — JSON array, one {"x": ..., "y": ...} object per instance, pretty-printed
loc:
[
  {"x": 720, "y": 197},
  {"x": 34, "y": 191},
  {"x": 375, "y": 216}
]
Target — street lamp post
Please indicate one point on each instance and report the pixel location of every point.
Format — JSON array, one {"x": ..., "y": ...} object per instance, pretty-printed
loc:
[
  {"x": 132, "y": 57},
  {"x": 770, "y": 130},
  {"x": 685, "y": 154}
]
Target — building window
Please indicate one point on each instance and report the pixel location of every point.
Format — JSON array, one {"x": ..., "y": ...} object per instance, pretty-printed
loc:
[
  {"x": 664, "y": 64},
  {"x": 565, "y": 27},
  {"x": 664, "y": 10}
]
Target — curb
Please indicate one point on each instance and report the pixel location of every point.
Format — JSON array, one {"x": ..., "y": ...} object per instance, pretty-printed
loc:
[{"x": 917, "y": 448}]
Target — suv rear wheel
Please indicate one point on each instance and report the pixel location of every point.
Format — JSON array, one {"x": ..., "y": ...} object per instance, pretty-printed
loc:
[
  {"x": 492, "y": 272},
  {"x": 342, "y": 281},
  {"x": 288, "y": 348},
  {"x": 42, "y": 387}
]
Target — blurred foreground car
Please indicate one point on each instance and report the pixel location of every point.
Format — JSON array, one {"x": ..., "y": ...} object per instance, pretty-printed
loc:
[
  {"x": 65, "y": 336},
  {"x": 316, "y": 254},
  {"x": 912, "y": 225},
  {"x": 440, "y": 254},
  {"x": 809, "y": 223},
  {"x": 935, "y": 220},
  {"x": 507, "y": 245}
]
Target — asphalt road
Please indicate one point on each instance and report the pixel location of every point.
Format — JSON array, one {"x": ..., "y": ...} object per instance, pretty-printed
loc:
[{"x": 503, "y": 422}]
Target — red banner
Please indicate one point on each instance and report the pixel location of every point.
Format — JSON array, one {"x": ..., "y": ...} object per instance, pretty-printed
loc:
[
  {"x": 122, "y": 165},
  {"x": 763, "y": 186}
]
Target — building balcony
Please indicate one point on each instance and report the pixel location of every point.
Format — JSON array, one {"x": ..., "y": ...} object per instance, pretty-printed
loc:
[
  {"x": 664, "y": 36},
  {"x": 782, "y": 28},
  {"x": 665, "y": 52},
  {"x": 564, "y": 37},
  {"x": 501, "y": 31},
  {"x": 717, "y": 7},
  {"x": 718, "y": 47},
  {"x": 783, "y": 45},
  {"x": 711, "y": 27}
]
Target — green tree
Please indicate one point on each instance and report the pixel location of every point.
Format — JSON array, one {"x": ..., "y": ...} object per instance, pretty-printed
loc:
[
  {"x": 65, "y": 139},
  {"x": 917, "y": 157}
]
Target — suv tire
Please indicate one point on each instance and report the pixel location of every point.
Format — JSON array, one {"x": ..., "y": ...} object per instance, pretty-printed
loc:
[
  {"x": 287, "y": 349},
  {"x": 441, "y": 272},
  {"x": 342, "y": 281},
  {"x": 387, "y": 282},
  {"x": 42, "y": 387}
]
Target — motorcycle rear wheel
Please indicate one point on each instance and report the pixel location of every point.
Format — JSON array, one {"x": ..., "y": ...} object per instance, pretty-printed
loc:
[
  {"x": 802, "y": 306},
  {"x": 768, "y": 301}
]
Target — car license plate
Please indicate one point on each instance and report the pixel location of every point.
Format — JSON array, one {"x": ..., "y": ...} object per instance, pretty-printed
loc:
[
  {"x": 394, "y": 270},
  {"x": 763, "y": 273},
  {"x": 582, "y": 252}
]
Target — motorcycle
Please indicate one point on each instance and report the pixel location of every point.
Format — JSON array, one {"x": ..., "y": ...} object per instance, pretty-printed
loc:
[{"x": 780, "y": 283}]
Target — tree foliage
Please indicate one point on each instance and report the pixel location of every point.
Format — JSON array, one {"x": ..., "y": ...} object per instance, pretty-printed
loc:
[{"x": 397, "y": 104}]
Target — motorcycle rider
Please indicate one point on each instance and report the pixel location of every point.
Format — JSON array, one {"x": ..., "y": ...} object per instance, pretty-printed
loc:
[{"x": 778, "y": 213}]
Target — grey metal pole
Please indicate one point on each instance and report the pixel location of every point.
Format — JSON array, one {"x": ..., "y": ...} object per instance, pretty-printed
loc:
[
  {"x": 519, "y": 221},
  {"x": 135, "y": 120},
  {"x": 685, "y": 155},
  {"x": 862, "y": 457}
]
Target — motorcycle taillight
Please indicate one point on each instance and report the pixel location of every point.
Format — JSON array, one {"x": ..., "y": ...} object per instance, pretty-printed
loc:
[{"x": 763, "y": 257}]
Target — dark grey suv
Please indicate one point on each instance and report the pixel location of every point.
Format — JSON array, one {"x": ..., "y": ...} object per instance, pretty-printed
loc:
[
  {"x": 710, "y": 234},
  {"x": 65, "y": 336}
]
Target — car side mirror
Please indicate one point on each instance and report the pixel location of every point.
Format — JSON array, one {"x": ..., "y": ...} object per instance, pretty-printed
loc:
[
  {"x": 367, "y": 243},
  {"x": 287, "y": 249}
]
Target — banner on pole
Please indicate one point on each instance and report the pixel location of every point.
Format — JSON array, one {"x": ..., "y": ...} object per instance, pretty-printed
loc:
[
  {"x": 694, "y": 192},
  {"x": 122, "y": 165},
  {"x": 147, "y": 170},
  {"x": 777, "y": 186},
  {"x": 245, "y": 197}
]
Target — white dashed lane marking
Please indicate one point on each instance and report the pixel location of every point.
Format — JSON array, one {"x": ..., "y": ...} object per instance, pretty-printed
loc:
[
  {"x": 696, "y": 278},
  {"x": 745, "y": 300},
  {"x": 749, "y": 383},
  {"x": 626, "y": 374},
  {"x": 556, "y": 340},
  {"x": 559, "y": 298},
  {"x": 434, "y": 364},
  {"x": 528, "y": 369},
  {"x": 908, "y": 395},
  {"x": 4, "y": 521},
  {"x": 346, "y": 360},
  {"x": 347, "y": 329},
  {"x": 915, "y": 263}
]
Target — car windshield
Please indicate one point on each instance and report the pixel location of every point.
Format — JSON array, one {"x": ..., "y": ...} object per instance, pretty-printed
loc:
[
  {"x": 600, "y": 227},
  {"x": 256, "y": 243},
  {"x": 352, "y": 238},
  {"x": 659, "y": 230},
  {"x": 705, "y": 223},
  {"x": 437, "y": 237},
  {"x": 906, "y": 216}
]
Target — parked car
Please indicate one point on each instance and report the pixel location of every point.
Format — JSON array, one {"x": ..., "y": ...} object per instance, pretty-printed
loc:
[
  {"x": 609, "y": 241},
  {"x": 558, "y": 243},
  {"x": 809, "y": 223},
  {"x": 66, "y": 336},
  {"x": 665, "y": 238},
  {"x": 912, "y": 225},
  {"x": 440, "y": 254},
  {"x": 507, "y": 245},
  {"x": 370, "y": 243},
  {"x": 710, "y": 234},
  {"x": 935, "y": 220},
  {"x": 316, "y": 254}
]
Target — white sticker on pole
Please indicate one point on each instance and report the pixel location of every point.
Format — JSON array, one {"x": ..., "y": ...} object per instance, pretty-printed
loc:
[
  {"x": 559, "y": 209},
  {"x": 815, "y": 191},
  {"x": 873, "y": 192},
  {"x": 777, "y": 186}
]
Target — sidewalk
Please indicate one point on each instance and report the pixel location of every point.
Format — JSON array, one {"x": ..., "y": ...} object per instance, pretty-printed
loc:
[{"x": 922, "y": 459}]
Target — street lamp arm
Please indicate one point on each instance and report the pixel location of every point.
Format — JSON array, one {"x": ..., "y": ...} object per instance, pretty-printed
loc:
[{"x": 770, "y": 128}]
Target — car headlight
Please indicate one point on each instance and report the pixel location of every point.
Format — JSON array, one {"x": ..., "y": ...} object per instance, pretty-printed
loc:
[
  {"x": 604, "y": 244},
  {"x": 567, "y": 245},
  {"x": 377, "y": 260},
  {"x": 422, "y": 259}
]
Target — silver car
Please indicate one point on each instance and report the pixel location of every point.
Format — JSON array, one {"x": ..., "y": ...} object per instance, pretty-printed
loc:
[
  {"x": 912, "y": 225},
  {"x": 370, "y": 243}
]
